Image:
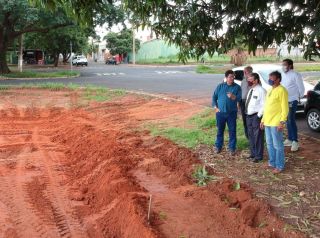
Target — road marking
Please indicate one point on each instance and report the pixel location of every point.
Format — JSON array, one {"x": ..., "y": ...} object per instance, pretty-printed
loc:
[
  {"x": 109, "y": 74},
  {"x": 168, "y": 72}
]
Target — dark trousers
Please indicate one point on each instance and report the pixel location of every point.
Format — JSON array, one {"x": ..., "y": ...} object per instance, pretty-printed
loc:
[
  {"x": 291, "y": 122},
  {"x": 230, "y": 119},
  {"x": 244, "y": 116},
  {"x": 256, "y": 136}
]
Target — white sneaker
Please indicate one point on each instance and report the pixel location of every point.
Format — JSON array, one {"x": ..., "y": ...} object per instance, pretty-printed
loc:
[
  {"x": 294, "y": 146},
  {"x": 287, "y": 142}
]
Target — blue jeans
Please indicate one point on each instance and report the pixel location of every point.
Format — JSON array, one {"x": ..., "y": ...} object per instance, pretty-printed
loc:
[
  {"x": 291, "y": 122},
  {"x": 229, "y": 118},
  {"x": 275, "y": 147}
]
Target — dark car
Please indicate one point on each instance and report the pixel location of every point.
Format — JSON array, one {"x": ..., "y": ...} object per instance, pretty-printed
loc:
[{"x": 312, "y": 108}]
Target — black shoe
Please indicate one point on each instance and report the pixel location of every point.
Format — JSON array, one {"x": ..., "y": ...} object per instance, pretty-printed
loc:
[
  {"x": 232, "y": 153},
  {"x": 250, "y": 157}
]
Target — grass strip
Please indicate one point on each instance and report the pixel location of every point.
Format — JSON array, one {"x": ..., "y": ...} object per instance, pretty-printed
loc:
[
  {"x": 203, "y": 69},
  {"x": 90, "y": 92},
  {"x": 34, "y": 74},
  {"x": 307, "y": 67},
  {"x": 100, "y": 94}
]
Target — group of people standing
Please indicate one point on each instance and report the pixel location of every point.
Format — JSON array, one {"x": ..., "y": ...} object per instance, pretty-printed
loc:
[{"x": 264, "y": 113}]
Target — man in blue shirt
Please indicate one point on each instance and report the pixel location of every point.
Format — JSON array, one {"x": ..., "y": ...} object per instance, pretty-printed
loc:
[{"x": 225, "y": 101}]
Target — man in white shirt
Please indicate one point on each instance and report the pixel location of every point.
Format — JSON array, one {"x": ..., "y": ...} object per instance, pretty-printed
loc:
[
  {"x": 244, "y": 91},
  {"x": 293, "y": 82},
  {"x": 254, "y": 111}
]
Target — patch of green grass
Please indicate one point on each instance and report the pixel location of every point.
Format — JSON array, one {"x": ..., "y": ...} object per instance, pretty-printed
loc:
[
  {"x": 91, "y": 92},
  {"x": 203, "y": 69},
  {"x": 204, "y": 120},
  {"x": 4, "y": 87},
  {"x": 100, "y": 94},
  {"x": 73, "y": 86},
  {"x": 236, "y": 186},
  {"x": 35, "y": 74},
  {"x": 189, "y": 138},
  {"x": 202, "y": 130},
  {"x": 242, "y": 141},
  {"x": 51, "y": 86},
  {"x": 307, "y": 67}
]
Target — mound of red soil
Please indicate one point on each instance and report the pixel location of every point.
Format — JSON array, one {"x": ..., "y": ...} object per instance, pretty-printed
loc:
[
  {"x": 113, "y": 171},
  {"x": 90, "y": 173}
]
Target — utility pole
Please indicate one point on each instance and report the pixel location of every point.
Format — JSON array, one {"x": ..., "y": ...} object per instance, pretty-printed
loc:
[
  {"x": 92, "y": 55},
  {"x": 70, "y": 55},
  {"x": 133, "y": 46},
  {"x": 20, "y": 63}
]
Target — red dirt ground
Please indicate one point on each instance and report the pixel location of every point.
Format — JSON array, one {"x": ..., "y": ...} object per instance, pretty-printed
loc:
[{"x": 88, "y": 172}]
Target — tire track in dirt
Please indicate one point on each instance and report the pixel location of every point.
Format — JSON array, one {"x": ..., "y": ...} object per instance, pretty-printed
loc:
[
  {"x": 22, "y": 222},
  {"x": 26, "y": 224},
  {"x": 32, "y": 201},
  {"x": 61, "y": 212}
]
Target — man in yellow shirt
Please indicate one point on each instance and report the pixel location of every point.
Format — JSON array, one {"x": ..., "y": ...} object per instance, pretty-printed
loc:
[{"x": 274, "y": 118}]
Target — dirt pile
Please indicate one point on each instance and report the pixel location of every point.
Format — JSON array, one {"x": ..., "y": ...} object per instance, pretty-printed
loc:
[
  {"x": 114, "y": 170},
  {"x": 90, "y": 173}
]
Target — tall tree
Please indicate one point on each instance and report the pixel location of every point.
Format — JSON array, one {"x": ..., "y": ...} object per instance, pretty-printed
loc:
[
  {"x": 121, "y": 43},
  {"x": 200, "y": 26},
  {"x": 18, "y": 17}
]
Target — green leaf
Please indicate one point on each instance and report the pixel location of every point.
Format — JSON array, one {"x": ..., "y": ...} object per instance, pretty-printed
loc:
[{"x": 236, "y": 186}]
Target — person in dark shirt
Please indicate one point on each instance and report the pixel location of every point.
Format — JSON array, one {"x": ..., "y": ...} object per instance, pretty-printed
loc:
[{"x": 224, "y": 101}]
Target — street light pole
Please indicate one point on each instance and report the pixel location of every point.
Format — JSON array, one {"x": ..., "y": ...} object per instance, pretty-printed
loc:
[
  {"x": 133, "y": 46},
  {"x": 70, "y": 55}
]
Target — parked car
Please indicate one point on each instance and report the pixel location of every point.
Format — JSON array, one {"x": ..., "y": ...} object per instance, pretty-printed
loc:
[
  {"x": 312, "y": 109},
  {"x": 111, "y": 60},
  {"x": 264, "y": 70},
  {"x": 80, "y": 60}
]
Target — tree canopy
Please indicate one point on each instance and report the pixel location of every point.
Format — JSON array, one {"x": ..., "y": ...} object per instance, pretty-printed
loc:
[
  {"x": 121, "y": 43},
  {"x": 87, "y": 12},
  {"x": 199, "y": 26},
  {"x": 58, "y": 41},
  {"x": 24, "y": 16},
  {"x": 18, "y": 17}
]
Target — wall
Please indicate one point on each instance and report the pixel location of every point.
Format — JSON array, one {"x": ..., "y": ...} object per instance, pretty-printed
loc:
[{"x": 154, "y": 49}]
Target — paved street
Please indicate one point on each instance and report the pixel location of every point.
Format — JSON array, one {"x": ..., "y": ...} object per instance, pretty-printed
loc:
[{"x": 177, "y": 81}]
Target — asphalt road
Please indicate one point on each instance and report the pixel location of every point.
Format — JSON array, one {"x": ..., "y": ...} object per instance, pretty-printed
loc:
[{"x": 175, "y": 81}]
